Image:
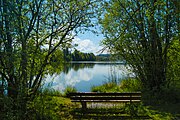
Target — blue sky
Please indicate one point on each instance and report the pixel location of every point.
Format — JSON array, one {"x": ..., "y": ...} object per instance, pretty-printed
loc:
[{"x": 89, "y": 42}]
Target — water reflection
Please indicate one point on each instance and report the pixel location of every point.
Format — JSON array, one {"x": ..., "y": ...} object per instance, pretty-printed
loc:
[
  {"x": 76, "y": 66},
  {"x": 83, "y": 76}
]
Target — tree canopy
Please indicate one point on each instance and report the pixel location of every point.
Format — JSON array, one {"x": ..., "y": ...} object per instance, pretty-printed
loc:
[
  {"x": 142, "y": 32},
  {"x": 31, "y": 32}
]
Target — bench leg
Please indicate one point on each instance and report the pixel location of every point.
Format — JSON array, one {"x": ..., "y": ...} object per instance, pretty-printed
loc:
[{"x": 84, "y": 105}]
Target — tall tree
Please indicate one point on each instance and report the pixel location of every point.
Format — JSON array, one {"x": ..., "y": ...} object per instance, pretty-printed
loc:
[
  {"x": 141, "y": 32},
  {"x": 30, "y": 33}
]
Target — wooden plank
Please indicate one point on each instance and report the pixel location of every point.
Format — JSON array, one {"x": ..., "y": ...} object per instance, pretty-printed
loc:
[
  {"x": 123, "y": 101},
  {"x": 111, "y": 117},
  {"x": 106, "y": 98},
  {"x": 104, "y": 94}
]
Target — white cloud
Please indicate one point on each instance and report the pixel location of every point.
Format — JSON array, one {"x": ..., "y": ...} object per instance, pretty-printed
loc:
[
  {"x": 86, "y": 45},
  {"x": 61, "y": 81}
]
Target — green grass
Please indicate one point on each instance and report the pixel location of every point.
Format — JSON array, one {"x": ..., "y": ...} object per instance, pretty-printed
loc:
[
  {"x": 53, "y": 105},
  {"x": 107, "y": 87},
  {"x": 50, "y": 104},
  {"x": 163, "y": 105},
  {"x": 68, "y": 90},
  {"x": 126, "y": 85}
]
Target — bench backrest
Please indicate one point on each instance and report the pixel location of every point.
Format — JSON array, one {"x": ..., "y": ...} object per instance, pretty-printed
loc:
[{"x": 94, "y": 96}]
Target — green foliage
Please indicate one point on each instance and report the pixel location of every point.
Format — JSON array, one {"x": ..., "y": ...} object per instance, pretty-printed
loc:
[
  {"x": 173, "y": 73},
  {"x": 167, "y": 100},
  {"x": 32, "y": 36},
  {"x": 103, "y": 57},
  {"x": 139, "y": 32},
  {"x": 69, "y": 89},
  {"x": 165, "y": 96},
  {"x": 130, "y": 85},
  {"x": 50, "y": 105},
  {"x": 107, "y": 87},
  {"x": 11, "y": 109},
  {"x": 67, "y": 54},
  {"x": 55, "y": 63},
  {"x": 6, "y": 105},
  {"x": 52, "y": 108},
  {"x": 79, "y": 56},
  {"x": 126, "y": 85},
  {"x": 49, "y": 92},
  {"x": 135, "y": 109},
  {"x": 158, "y": 115}
]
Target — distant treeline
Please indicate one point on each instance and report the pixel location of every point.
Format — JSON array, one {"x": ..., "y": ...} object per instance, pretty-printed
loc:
[
  {"x": 80, "y": 56},
  {"x": 103, "y": 57}
]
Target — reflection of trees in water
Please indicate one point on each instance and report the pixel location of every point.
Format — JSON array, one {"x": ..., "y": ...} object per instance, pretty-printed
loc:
[
  {"x": 76, "y": 66},
  {"x": 66, "y": 68}
]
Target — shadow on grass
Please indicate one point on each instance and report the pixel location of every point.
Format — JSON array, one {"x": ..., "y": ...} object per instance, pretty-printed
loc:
[
  {"x": 165, "y": 103},
  {"x": 104, "y": 114}
]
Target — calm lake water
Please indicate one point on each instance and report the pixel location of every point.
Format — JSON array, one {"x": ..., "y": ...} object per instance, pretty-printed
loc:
[{"x": 84, "y": 75}]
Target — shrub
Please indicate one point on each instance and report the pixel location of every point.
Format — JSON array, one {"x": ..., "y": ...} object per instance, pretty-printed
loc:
[
  {"x": 49, "y": 104},
  {"x": 69, "y": 89},
  {"x": 107, "y": 87},
  {"x": 126, "y": 85},
  {"x": 130, "y": 85}
]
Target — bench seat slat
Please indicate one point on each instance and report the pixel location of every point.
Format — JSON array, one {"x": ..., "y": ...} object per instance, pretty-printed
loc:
[
  {"x": 83, "y": 98},
  {"x": 104, "y": 94},
  {"x": 106, "y": 98},
  {"x": 123, "y": 101}
]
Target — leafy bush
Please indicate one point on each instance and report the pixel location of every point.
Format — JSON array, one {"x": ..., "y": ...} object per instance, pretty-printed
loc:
[
  {"x": 126, "y": 85},
  {"x": 50, "y": 92},
  {"x": 130, "y": 85},
  {"x": 69, "y": 89},
  {"x": 107, "y": 87},
  {"x": 11, "y": 109},
  {"x": 136, "y": 109},
  {"x": 50, "y": 105}
]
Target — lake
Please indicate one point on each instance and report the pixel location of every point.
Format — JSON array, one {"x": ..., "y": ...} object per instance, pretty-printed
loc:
[{"x": 84, "y": 75}]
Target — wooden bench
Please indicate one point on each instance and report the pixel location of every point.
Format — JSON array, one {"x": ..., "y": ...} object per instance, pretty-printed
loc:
[{"x": 85, "y": 97}]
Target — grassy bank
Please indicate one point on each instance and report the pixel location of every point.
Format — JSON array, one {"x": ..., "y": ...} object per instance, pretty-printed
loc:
[
  {"x": 50, "y": 104},
  {"x": 53, "y": 105},
  {"x": 127, "y": 85},
  {"x": 162, "y": 105}
]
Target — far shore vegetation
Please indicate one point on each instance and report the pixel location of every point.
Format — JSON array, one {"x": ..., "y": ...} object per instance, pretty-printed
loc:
[{"x": 76, "y": 55}]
